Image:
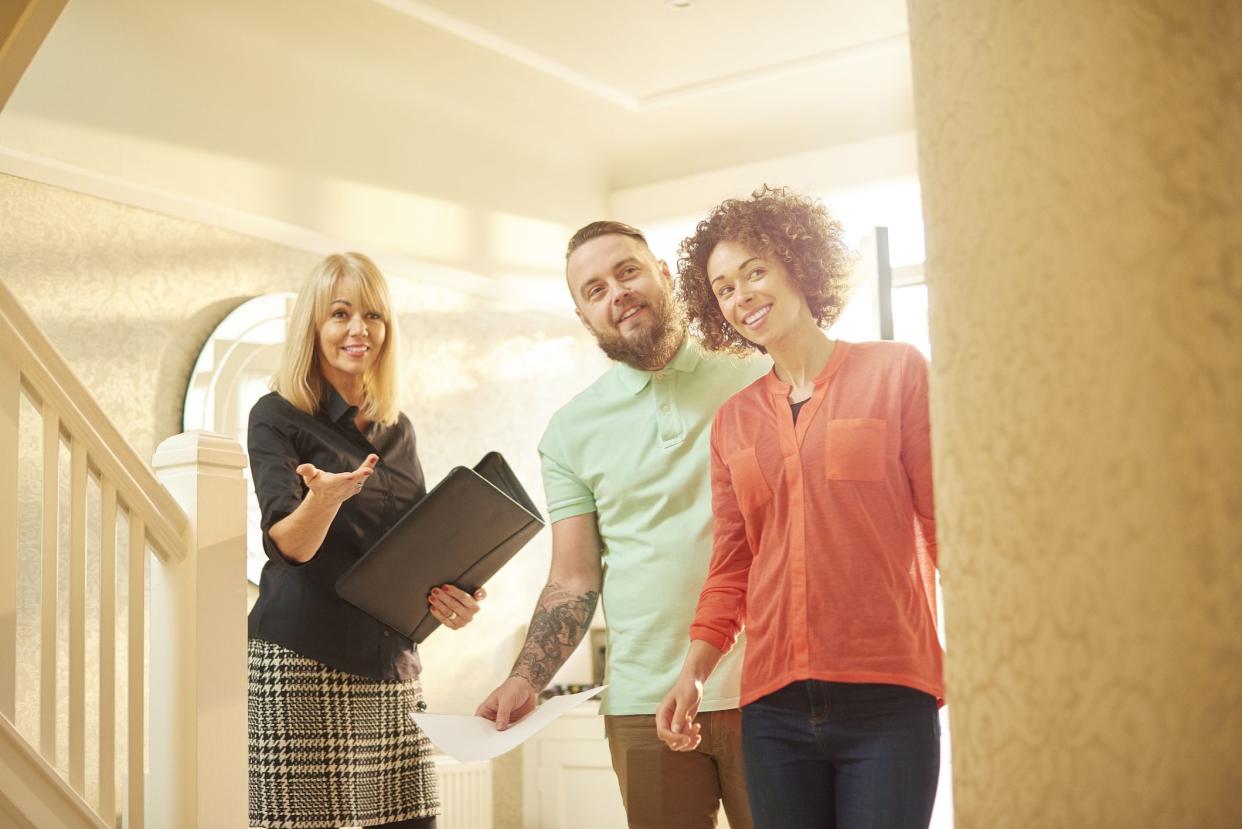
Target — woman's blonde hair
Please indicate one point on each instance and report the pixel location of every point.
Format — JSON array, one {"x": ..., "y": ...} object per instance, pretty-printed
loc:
[{"x": 300, "y": 379}]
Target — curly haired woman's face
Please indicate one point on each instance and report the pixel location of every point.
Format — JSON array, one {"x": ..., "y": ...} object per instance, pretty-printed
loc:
[{"x": 756, "y": 294}]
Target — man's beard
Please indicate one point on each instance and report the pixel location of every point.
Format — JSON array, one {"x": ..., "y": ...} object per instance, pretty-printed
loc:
[{"x": 649, "y": 348}]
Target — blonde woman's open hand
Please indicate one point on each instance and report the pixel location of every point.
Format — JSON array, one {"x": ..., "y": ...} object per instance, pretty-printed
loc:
[{"x": 337, "y": 487}]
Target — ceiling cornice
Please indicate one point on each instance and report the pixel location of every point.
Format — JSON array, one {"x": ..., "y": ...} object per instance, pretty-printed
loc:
[
  {"x": 666, "y": 97},
  {"x": 773, "y": 71},
  {"x": 489, "y": 40},
  {"x": 102, "y": 185}
]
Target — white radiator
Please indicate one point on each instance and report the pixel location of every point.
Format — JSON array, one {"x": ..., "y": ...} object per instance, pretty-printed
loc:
[{"x": 465, "y": 794}]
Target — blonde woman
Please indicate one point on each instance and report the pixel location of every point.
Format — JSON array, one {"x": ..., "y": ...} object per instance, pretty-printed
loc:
[{"x": 334, "y": 465}]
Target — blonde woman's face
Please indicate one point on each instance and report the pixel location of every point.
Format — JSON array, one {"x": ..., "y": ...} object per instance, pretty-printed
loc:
[{"x": 351, "y": 338}]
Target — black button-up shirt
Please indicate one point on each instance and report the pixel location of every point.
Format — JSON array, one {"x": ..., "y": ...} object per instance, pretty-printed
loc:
[{"x": 298, "y": 607}]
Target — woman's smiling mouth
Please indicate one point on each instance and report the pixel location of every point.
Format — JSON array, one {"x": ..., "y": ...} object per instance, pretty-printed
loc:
[{"x": 757, "y": 316}]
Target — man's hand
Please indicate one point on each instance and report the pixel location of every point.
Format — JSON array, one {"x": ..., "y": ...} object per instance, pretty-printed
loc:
[
  {"x": 675, "y": 723},
  {"x": 512, "y": 700}
]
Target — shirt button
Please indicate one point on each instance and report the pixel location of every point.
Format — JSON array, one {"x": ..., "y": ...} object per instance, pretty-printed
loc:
[
  {"x": 660, "y": 376},
  {"x": 385, "y": 634},
  {"x": 420, "y": 705},
  {"x": 664, "y": 408}
]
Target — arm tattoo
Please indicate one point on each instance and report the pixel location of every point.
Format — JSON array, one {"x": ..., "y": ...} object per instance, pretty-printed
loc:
[{"x": 560, "y": 620}]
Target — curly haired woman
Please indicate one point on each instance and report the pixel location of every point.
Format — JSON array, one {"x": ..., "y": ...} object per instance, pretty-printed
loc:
[{"x": 824, "y": 545}]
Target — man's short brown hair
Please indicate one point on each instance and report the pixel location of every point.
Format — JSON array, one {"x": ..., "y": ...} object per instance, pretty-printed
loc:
[{"x": 605, "y": 228}]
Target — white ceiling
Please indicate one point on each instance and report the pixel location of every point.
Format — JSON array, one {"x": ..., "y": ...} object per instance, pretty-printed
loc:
[
  {"x": 641, "y": 53},
  {"x": 539, "y": 108}
]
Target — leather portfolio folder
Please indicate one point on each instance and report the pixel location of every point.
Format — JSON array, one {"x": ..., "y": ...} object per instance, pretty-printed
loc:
[{"x": 459, "y": 533}]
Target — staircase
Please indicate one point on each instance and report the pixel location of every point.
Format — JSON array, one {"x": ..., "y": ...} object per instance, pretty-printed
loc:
[{"x": 135, "y": 695}]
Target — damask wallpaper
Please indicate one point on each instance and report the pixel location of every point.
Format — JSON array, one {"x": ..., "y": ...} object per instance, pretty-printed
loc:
[{"x": 1083, "y": 205}]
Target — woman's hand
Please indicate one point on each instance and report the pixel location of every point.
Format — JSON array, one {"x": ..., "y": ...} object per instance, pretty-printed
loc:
[
  {"x": 453, "y": 606},
  {"x": 675, "y": 723},
  {"x": 333, "y": 488},
  {"x": 674, "y": 718},
  {"x": 300, "y": 534}
]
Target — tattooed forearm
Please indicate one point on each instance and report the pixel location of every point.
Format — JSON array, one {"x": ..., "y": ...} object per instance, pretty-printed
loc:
[{"x": 558, "y": 625}]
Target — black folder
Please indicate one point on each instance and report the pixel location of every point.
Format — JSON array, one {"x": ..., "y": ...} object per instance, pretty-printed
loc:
[{"x": 459, "y": 533}]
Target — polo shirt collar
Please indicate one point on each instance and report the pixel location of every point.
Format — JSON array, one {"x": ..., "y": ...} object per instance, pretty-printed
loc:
[{"x": 686, "y": 359}]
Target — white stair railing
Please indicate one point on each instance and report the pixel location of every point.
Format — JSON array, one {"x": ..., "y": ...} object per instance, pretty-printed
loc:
[{"x": 182, "y": 762}]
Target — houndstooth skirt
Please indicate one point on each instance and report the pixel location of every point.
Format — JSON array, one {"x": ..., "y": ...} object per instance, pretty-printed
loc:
[{"x": 331, "y": 749}]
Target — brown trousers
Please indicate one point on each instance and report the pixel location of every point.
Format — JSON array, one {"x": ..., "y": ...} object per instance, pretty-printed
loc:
[{"x": 666, "y": 789}]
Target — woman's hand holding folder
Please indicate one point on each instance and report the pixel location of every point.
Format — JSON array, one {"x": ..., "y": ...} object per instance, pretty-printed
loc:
[{"x": 454, "y": 607}]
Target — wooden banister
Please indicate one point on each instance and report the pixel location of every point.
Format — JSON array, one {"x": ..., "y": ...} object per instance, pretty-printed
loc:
[{"x": 50, "y": 382}]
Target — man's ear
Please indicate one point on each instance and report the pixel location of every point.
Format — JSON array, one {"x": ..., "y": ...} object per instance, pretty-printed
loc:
[
  {"x": 668, "y": 276},
  {"x": 583, "y": 320}
]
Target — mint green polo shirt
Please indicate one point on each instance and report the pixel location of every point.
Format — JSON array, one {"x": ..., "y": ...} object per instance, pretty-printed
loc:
[{"x": 633, "y": 449}]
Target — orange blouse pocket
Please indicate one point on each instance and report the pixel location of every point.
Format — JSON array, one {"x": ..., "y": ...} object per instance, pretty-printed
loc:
[
  {"x": 749, "y": 485},
  {"x": 854, "y": 449}
]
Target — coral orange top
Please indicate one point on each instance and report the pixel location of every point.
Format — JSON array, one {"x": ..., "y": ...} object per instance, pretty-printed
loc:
[{"x": 824, "y": 540}]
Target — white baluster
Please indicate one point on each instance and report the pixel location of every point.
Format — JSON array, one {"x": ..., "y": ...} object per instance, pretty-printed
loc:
[
  {"x": 77, "y": 616},
  {"x": 10, "y": 433},
  {"x": 107, "y": 651},
  {"x": 135, "y": 773},
  {"x": 47, "y": 607}
]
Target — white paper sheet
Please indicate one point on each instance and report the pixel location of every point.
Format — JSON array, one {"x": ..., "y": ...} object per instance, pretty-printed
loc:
[{"x": 470, "y": 739}]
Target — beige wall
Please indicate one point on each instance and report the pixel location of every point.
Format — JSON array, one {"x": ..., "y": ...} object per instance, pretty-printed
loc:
[
  {"x": 1083, "y": 200},
  {"x": 828, "y": 170},
  {"x": 128, "y": 296}
]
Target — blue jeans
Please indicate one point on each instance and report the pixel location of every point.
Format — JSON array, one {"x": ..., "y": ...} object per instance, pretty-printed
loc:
[{"x": 823, "y": 755}]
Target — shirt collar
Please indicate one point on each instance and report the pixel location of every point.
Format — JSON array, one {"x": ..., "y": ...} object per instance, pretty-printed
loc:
[
  {"x": 779, "y": 388},
  {"x": 335, "y": 407},
  {"x": 686, "y": 359}
]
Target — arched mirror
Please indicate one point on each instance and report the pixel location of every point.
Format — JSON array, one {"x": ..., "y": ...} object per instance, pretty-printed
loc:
[{"x": 234, "y": 369}]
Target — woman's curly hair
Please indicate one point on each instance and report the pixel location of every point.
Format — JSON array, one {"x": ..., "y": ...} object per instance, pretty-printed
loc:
[{"x": 773, "y": 222}]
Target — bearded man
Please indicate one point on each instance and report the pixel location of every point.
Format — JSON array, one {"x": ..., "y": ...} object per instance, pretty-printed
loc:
[{"x": 626, "y": 473}]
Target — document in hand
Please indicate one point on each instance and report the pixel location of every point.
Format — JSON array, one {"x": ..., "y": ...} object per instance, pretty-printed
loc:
[
  {"x": 460, "y": 533},
  {"x": 470, "y": 739}
]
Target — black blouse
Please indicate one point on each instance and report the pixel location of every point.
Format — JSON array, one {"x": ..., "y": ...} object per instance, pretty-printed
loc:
[{"x": 298, "y": 607}]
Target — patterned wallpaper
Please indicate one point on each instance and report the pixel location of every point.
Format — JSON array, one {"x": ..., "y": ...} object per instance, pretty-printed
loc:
[
  {"x": 128, "y": 297},
  {"x": 1083, "y": 202}
]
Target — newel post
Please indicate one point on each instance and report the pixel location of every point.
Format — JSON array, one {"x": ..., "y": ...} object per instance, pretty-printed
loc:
[{"x": 197, "y": 743}]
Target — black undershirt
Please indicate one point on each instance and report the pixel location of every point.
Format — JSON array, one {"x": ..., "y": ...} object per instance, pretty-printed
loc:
[{"x": 797, "y": 407}]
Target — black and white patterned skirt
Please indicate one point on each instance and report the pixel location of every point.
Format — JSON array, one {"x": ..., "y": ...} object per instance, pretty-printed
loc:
[{"x": 332, "y": 749}]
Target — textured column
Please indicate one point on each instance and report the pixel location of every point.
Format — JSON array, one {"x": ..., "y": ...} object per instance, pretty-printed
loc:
[{"x": 1081, "y": 163}]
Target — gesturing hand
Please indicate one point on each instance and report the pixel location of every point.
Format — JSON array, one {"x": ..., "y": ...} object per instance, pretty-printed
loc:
[{"x": 336, "y": 487}]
